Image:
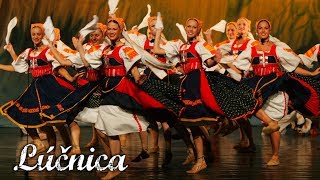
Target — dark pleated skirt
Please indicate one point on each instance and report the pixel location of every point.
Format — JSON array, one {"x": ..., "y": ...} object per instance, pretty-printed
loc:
[{"x": 42, "y": 94}]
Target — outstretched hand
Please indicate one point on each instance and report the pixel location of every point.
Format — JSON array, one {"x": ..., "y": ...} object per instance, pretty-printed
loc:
[
  {"x": 316, "y": 72},
  {"x": 77, "y": 76},
  {"x": 218, "y": 56},
  {"x": 208, "y": 32},
  {"x": 8, "y": 47}
]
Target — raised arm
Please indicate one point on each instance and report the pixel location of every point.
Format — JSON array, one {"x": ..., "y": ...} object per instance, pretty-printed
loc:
[
  {"x": 11, "y": 51},
  {"x": 156, "y": 48},
  {"x": 78, "y": 43},
  {"x": 57, "y": 55},
  {"x": 208, "y": 33}
]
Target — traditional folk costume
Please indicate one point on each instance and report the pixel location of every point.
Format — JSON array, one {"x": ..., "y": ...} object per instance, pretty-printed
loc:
[
  {"x": 311, "y": 56},
  {"x": 272, "y": 86},
  {"x": 43, "y": 93},
  {"x": 206, "y": 94},
  {"x": 88, "y": 89},
  {"x": 121, "y": 109}
]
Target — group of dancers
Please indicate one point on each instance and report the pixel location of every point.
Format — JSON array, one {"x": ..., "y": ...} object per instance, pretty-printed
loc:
[{"x": 126, "y": 81}]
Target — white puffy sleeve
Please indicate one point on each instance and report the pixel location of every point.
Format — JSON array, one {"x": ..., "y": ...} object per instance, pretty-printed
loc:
[
  {"x": 243, "y": 61},
  {"x": 228, "y": 57},
  {"x": 172, "y": 48},
  {"x": 129, "y": 56},
  {"x": 310, "y": 56},
  {"x": 205, "y": 50},
  {"x": 287, "y": 59},
  {"x": 50, "y": 57},
  {"x": 92, "y": 55},
  {"x": 139, "y": 39},
  {"x": 225, "y": 48},
  {"x": 20, "y": 65}
]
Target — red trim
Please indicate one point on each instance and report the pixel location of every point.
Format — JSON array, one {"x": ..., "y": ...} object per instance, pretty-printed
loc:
[
  {"x": 142, "y": 98},
  {"x": 64, "y": 83},
  {"x": 82, "y": 81},
  {"x": 93, "y": 75},
  {"x": 206, "y": 95},
  {"x": 112, "y": 71},
  {"x": 241, "y": 48},
  {"x": 135, "y": 117},
  {"x": 313, "y": 102},
  {"x": 285, "y": 104},
  {"x": 149, "y": 48},
  {"x": 191, "y": 63}
]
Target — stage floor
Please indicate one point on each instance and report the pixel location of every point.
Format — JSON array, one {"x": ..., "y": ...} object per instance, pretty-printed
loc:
[{"x": 299, "y": 159}]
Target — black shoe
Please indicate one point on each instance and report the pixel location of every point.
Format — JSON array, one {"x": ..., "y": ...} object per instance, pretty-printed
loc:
[
  {"x": 249, "y": 149},
  {"x": 142, "y": 155},
  {"x": 176, "y": 136},
  {"x": 167, "y": 159}
]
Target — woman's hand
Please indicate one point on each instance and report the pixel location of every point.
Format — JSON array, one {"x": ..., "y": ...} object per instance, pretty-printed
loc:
[
  {"x": 217, "y": 56},
  {"x": 208, "y": 33},
  {"x": 315, "y": 72},
  {"x": 9, "y": 47},
  {"x": 77, "y": 76},
  {"x": 141, "y": 79}
]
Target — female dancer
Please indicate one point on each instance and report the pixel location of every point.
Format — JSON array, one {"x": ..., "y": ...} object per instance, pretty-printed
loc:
[
  {"x": 171, "y": 77},
  {"x": 43, "y": 92},
  {"x": 122, "y": 103},
  {"x": 230, "y": 50},
  {"x": 231, "y": 32},
  {"x": 206, "y": 95},
  {"x": 267, "y": 61},
  {"x": 86, "y": 62}
]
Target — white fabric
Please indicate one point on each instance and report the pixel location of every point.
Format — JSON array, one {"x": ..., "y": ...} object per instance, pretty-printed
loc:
[
  {"x": 286, "y": 121},
  {"x": 159, "y": 23},
  {"x": 277, "y": 42},
  {"x": 152, "y": 62},
  {"x": 49, "y": 29},
  {"x": 90, "y": 27},
  {"x": 20, "y": 65},
  {"x": 113, "y": 120},
  {"x": 226, "y": 49},
  {"x": 92, "y": 57},
  {"x": 88, "y": 115},
  {"x": 276, "y": 106},
  {"x": 128, "y": 61},
  {"x": 310, "y": 56},
  {"x": 182, "y": 31},
  {"x": 144, "y": 22},
  {"x": 287, "y": 59},
  {"x": 11, "y": 25},
  {"x": 139, "y": 39},
  {"x": 220, "y": 26},
  {"x": 113, "y": 6},
  {"x": 243, "y": 61},
  {"x": 172, "y": 49},
  {"x": 64, "y": 50}
]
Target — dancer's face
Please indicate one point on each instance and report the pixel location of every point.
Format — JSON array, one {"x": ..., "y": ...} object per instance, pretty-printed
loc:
[
  {"x": 152, "y": 26},
  {"x": 263, "y": 30},
  {"x": 242, "y": 27},
  {"x": 192, "y": 28},
  {"x": 113, "y": 31},
  {"x": 36, "y": 35},
  {"x": 96, "y": 37},
  {"x": 231, "y": 31}
]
